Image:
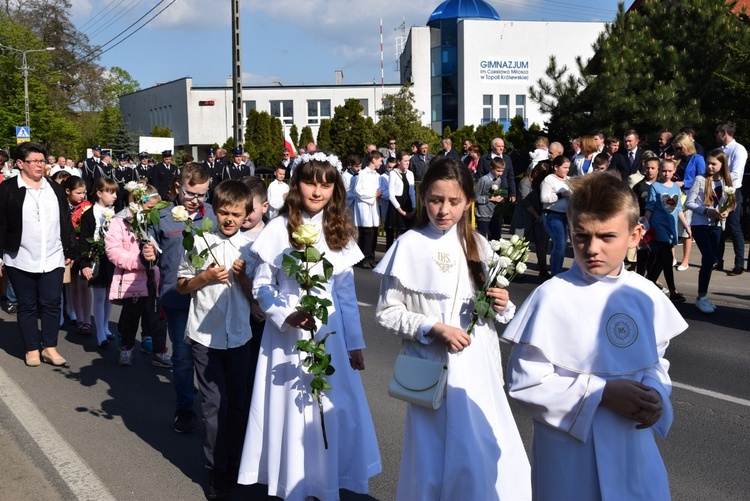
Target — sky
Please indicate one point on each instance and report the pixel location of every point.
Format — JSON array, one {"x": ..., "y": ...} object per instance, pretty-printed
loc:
[{"x": 291, "y": 42}]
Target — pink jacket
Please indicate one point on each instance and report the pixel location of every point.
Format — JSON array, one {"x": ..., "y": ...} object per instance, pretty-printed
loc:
[{"x": 123, "y": 250}]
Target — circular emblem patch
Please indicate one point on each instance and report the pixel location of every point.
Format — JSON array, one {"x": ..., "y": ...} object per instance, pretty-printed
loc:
[{"x": 622, "y": 330}]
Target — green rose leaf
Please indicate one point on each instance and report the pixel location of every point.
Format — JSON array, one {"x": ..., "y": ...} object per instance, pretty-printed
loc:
[
  {"x": 312, "y": 254},
  {"x": 197, "y": 261},
  {"x": 206, "y": 225},
  {"x": 188, "y": 241}
]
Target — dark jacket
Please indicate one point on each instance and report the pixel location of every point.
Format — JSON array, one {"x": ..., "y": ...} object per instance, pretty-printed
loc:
[
  {"x": 485, "y": 165},
  {"x": 12, "y": 197},
  {"x": 620, "y": 162},
  {"x": 418, "y": 166}
]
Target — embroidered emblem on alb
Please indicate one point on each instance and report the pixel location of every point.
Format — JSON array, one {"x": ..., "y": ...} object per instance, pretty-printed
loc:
[
  {"x": 443, "y": 261},
  {"x": 622, "y": 330}
]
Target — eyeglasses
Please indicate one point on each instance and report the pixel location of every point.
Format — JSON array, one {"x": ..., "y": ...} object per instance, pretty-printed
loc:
[
  {"x": 35, "y": 162},
  {"x": 193, "y": 196}
]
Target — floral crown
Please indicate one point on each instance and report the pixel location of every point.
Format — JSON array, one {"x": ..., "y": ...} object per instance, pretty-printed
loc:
[{"x": 320, "y": 157}]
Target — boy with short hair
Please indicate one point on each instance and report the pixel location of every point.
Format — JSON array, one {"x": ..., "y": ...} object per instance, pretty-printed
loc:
[
  {"x": 277, "y": 192},
  {"x": 486, "y": 204},
  {"x": 366, "y": 212},
  {"x": 591, "y": 372},
  {"x": 219, "y": 331}
]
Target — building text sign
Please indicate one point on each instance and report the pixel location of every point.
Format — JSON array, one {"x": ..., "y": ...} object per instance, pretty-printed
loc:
[{"x": 491, "y": 70}]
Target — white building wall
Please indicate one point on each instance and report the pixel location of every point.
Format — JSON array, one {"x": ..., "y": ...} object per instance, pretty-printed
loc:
[
  {"x": 177, "y": 105},
  {"x": 416, "y": 70},
  {"x": 505, "y": 58}
]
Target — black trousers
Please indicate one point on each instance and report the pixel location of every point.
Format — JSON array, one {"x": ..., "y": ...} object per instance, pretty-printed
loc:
[
  {"x": 661, "y": 261},
  {"x": 130, "y": 316},
  {"x": 222, "y": 379},
  {"x": 368, "y": 239},
  {"x": 38, "y": 292}
]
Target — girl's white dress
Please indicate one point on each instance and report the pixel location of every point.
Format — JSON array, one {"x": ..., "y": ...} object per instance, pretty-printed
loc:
[
  {"x": 470, "y": 448},
  {"x": 284, "y": 442}
]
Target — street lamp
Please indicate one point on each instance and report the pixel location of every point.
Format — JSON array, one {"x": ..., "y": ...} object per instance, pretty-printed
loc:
[{"x": 25, "y": 70}]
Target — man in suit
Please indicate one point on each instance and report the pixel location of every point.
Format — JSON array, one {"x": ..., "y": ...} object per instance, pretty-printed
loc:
[
  {"x": 92, "y": 168},
  {"x": 286, "y": 161},
  {"x": 448, "y": 150},
  {"x": 628, "y": 160},
  {"x": 163, "y": 174},
  {"x": 214, "y": 168},
  {"x": 664, "y": 145},
  {"x": 236, "y": 169},
  {"x": 497, "y": 149},
  {"x": 420, "y": 162},
  {"x": 143, "y": 169}
]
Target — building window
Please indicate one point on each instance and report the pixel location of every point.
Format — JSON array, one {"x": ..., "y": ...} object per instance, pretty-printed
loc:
[
  {"x": 504, "y": 111},
  {"x": 521, "y": 106},
  {"x": 318, "y": 109},
  {"x": 365, "y": 103},
  {"x": 249, "y": 105},
  {"x": 283, "y": 110},
  {"x": 486, "y": 108}
]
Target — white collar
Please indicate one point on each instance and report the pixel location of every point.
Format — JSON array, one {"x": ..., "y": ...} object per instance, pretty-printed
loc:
[{"x": 273, "y": 243}]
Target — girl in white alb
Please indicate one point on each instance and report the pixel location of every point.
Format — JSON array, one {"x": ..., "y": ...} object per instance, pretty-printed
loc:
[
  {"x": 284, "y": 445},
  {"x": 470, "y": 447}
]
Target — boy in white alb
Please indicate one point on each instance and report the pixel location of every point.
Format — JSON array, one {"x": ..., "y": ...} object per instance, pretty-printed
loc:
[
  {"x": 277, "y": 192},
  {"x": 219, "y": 332},
  {"x": 592, "y": 373}
]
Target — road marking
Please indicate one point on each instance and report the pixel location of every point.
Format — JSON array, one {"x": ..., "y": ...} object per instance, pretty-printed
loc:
[
  {"x": 72, "y": 468},
  {"x": 713, "y": 394},
  {"x": 366, "y": 305}
]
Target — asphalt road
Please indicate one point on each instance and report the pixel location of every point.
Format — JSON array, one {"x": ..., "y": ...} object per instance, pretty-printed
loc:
[{"x": 94, "y": 430}]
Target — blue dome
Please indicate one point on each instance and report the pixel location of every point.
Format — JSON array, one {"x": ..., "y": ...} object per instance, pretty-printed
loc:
[{"x": 463, "y": 9}]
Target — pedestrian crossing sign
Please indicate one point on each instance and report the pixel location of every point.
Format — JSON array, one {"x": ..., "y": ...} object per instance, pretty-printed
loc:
[{"x": 23, "y": 134}]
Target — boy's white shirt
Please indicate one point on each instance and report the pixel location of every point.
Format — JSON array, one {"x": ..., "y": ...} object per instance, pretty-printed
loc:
[
  {"x": 276, "y": 191},
  {"x": 219, "y": 315}
]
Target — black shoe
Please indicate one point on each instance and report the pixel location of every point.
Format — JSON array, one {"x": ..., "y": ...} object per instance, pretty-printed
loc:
[
  {"x": 737, "y": 270},
  {"x": 103, "y": 345},
  {"x": 184, "y": 421},
  {"x": 12, "y": 308},
  {"x": 218, "y": 486},
  {"x": 676, "y": 297},
  {"x": 367, "y": 264},
  {"x": 718, "y": 266}
]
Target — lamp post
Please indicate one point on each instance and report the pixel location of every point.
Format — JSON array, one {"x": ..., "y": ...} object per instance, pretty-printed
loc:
[{"x": 25, "y": 70}]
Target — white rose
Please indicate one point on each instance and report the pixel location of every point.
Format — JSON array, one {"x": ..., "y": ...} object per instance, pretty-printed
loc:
[
  {"x": 306, "y": 234},
  {"x": 134, "y": 207},
  {"x": 504, "y": 244},
  {"x": 180, "y": 214},
  {"x": 514, "y": 239},
  {"x": 729, "y": 190},
  {"x": 494, "y": 187},
  {"x": 131, "y": 186},
  {"x": 520, "y": 268},
  {"x": 495, "y": 245},
  {"x": 505, "y": 261},
  {"x": 108, "y": 214},
  {"x": 502, "y": 282}
]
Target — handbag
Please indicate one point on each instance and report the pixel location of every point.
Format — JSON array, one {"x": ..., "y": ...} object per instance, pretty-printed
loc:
[{"x": 419, "y": 381}]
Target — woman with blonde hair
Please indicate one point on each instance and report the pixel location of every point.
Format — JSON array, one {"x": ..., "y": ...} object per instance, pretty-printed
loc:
[{"x": 689, "y": 165}]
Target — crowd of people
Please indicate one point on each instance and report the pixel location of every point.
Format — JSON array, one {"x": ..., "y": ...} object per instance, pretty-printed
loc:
[{"x": 201, "y": 254}]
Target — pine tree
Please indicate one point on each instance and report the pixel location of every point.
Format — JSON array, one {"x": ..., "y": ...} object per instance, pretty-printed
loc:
[
  {"x": 350, "y": 131},
  {"x": 306, "y": 136},
  {"x": 294, "y": 135},
  {"x": 656, "y": 68},
  {"x": 324, "y": 135}
]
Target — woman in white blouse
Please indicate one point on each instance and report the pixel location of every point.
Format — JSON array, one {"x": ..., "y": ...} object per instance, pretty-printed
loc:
[{"x": 554, "y": 196}]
